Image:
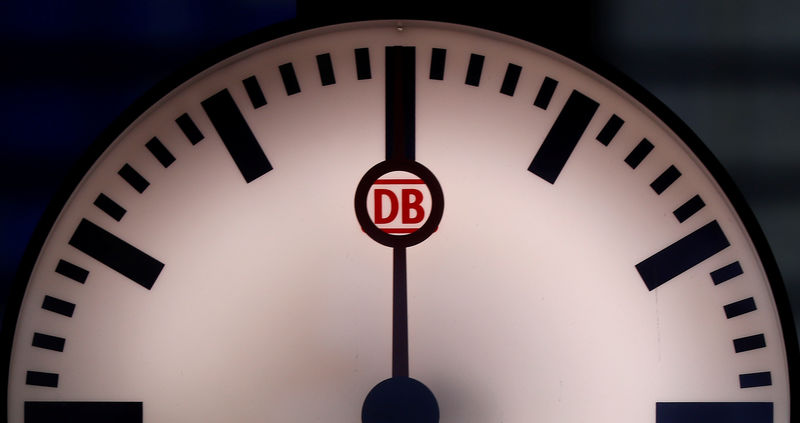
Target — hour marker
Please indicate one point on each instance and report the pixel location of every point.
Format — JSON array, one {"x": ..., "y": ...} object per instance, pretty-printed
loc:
[
  {"x": 189, "y": 129},
  {"x": 132, "y": 177},
  {"x": 639, "y": 153},
  {"x": 510, "y": 80},
  {"x": 545, "y": 93},
  {"x": 78, "y": 274},
  {"x": 64, "y": 308},
  {"x": 474, "y": 70},
  {"x": 740, "y": 307},
  {"x": 714, "y": 412},
  {"x": 754, "y": 380},
  {"x": 749, "y": 343},
  {"x": 236, "y": 135},
  {"x": 559, "y": 143},
  {"x": 363, "y": 69},
  {"x": 253, "y": 89},
  {"x": 34, "y": 378},
  {"x": 110, "y": 207},
  {"x": 689, "y": 208},
  {"x": 115, "y": 253},
  {"x": 682, "y": 255},
  {"x": 48, "y": 342},
  {"x": 400, "y": 105},
  {"x": 438, "y": 56},
  {"x": 726, "y": 273},
  {"x": 83, "y": 411},
  {"x": 610, "y": 130},
  {"x": 665, "y": 179},
  {"x": 325, "y": 66},
  {"x": 289, "y": 78},
  {"x": 160, "y": 152}
]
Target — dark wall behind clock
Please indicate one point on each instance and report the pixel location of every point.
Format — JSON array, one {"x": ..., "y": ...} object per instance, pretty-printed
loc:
[{"x": 730, "y": 70}]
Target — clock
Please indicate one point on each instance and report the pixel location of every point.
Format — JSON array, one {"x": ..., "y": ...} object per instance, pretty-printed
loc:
[{"x": 400, "y": 221}]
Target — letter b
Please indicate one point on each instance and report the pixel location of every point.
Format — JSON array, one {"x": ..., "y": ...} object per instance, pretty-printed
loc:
[{"x": 412, "y": 200}]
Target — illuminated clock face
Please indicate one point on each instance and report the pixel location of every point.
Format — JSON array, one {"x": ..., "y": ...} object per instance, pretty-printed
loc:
[{"x": 359, "y": 221}]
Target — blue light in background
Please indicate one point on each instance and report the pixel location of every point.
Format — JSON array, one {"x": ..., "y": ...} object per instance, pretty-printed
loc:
[{"x": 70, "y": 68}]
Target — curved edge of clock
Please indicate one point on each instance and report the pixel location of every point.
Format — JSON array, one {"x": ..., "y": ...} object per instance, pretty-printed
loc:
[{"x": 590, "y": 61}]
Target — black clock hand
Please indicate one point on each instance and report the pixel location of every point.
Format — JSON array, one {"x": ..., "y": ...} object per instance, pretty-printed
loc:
[
  {"x": 400, "y": 123},
  {"x": 399, "y": 315},
  {"x": 399, "y": 398}
]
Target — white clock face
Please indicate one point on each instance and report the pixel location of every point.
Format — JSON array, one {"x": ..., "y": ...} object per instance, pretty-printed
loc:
[{"x": 580, "y": 262}]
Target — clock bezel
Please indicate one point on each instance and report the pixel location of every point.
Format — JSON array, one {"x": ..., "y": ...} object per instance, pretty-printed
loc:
[{"x": 588, "y": 61}]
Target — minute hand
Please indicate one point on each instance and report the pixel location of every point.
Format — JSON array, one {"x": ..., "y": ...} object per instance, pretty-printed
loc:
[
  {"x": 400, "y": 109},
  {"x": 400, "y": 103}
]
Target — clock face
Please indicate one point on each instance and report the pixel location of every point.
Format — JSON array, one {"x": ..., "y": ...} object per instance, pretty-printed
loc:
[{"x": 430, "y": 205}]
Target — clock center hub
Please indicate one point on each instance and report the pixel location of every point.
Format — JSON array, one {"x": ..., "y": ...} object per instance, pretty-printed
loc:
[
  {"x": 400, "y": 400},
  {"x": 399, "y": 203}
]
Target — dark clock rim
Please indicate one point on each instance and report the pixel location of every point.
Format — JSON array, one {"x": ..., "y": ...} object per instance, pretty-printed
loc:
[{"x": 592, "y": 63}]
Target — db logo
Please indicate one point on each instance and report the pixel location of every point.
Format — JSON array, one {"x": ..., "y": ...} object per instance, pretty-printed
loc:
[{"x": 398, "y": 203}]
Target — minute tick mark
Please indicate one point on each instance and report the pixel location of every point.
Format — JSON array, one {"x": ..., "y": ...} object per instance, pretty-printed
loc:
[
  {"x": 189, "y": 128},
  {"x": 740, "y": 307},
  {"x": 689, "y": 208},
  {"x": 510, "y": 80},
  {"x": 76, "y": 273},
  {"x": 58, "y": 306},
  {"x": 48, "y": 342},
  {"x": 325, "y": 66},
  {"x": 110, "y": 207},
  {"x": 610, "y": 130},
  {"x": 289, "y": 78},
  {"x": 638, "y": 154},
  {"x": 363, "y": 69},
  {"x": 667, "y": 178},
  {"x": 133, "y": 178},
  {"x": 254, "y": 92},
  {"x": 545, "y": 93},
  {"x": 438, "y": 56},
  {"x": 34, "y": 378},
  {"x": 474, "y": 70},
  {"x": 726, "y": 273},
  {"x": 160, "y": 152}
]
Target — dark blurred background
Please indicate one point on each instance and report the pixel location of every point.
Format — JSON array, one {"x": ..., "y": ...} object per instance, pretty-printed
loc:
[{"x": 729, "y": 69}]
